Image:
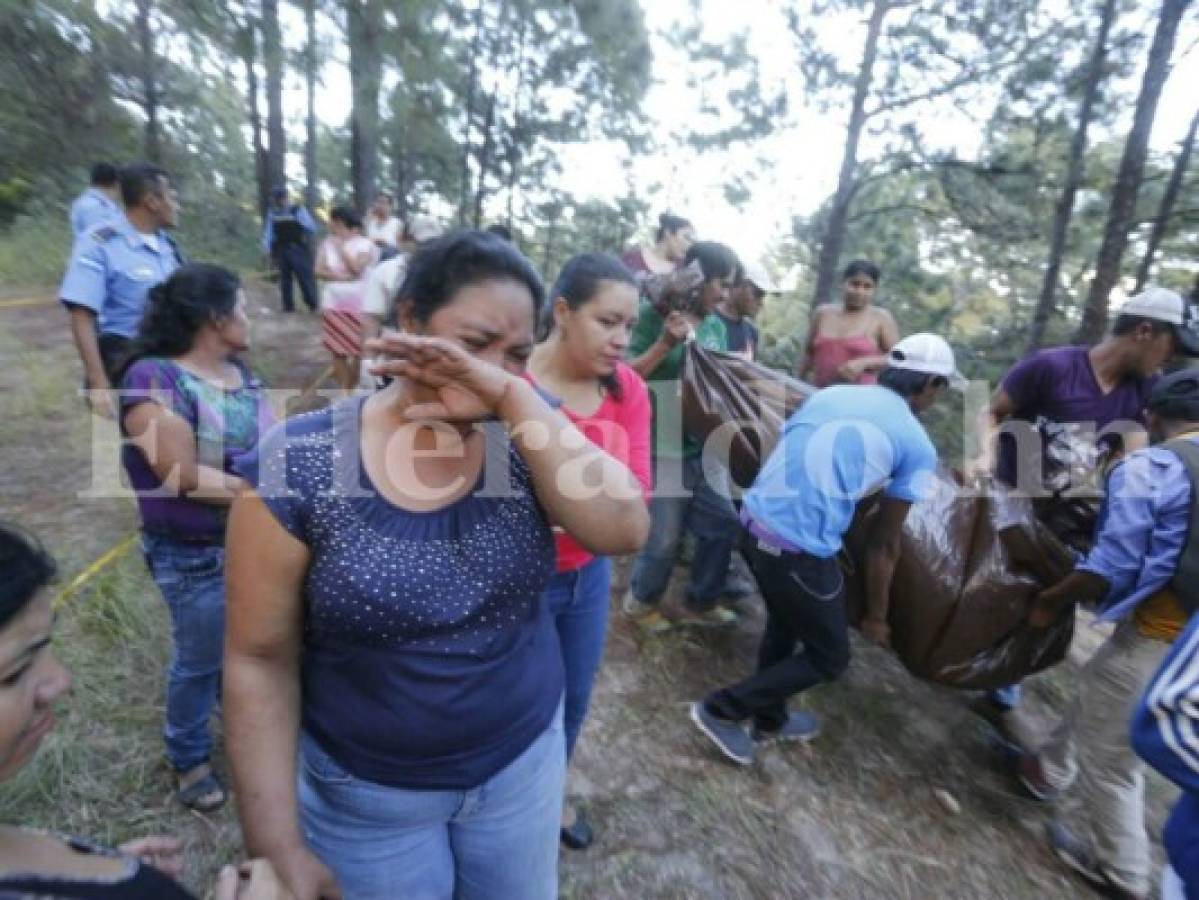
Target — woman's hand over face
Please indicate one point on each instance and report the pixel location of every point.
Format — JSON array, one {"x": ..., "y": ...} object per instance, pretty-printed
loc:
[{"x": 467, "y": 388}]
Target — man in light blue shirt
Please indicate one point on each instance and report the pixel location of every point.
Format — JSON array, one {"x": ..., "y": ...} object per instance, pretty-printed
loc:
[
  {"x": 286, "y": 238},
  {"x": 113, "y": 268},
  {"x": 845, "y": 443},
  {"x": 1136, "y": 570},
  {"x": 98, "y": 204}
]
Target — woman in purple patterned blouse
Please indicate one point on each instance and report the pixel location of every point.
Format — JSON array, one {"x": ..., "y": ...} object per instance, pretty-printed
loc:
[{"x": 189, "y": 409}]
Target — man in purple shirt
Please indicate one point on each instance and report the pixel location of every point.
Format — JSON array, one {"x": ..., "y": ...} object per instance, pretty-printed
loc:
[{"x": 1105, "y": 387}]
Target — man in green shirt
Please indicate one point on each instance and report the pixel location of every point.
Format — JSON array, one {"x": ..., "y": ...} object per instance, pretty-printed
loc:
[{"x": 684, "y": 495}]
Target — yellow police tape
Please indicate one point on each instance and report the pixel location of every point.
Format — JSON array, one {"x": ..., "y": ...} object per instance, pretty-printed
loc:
[
  {"x": 25, "y": 301},
  {"x": 115, "y": 553},
  {"x": 87, "y": 574}
]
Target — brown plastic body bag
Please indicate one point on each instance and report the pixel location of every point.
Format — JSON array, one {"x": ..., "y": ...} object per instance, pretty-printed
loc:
[{"x": 962, "y": 587}]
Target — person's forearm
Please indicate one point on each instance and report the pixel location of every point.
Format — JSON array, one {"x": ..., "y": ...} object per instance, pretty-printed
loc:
[
  {"x": 185, "y": 477},
  {"x": 1080, "y": 586},
  {"x": 83, "y": 331},
  {"x": 645, "y": 364},
  {"x": 872, "y": 363},
  {"x": 593, "y": 496},
  {"x": 262, "y": 715},
  {"x": 880, "y": 569},
  {"x": 372, "y": 325},
  {"x": 213, "y": 486}
]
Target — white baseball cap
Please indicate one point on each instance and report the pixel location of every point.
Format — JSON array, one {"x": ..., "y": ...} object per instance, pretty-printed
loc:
[
  {"x": 424, "y": 228},
  {"x": 1163, "y": 305},
  {"x": 929, "y": 354},
  {"x": 757, "y": 275}
]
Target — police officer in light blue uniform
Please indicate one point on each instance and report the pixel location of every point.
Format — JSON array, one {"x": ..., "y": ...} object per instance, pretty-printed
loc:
[
  {"x": 112, "y": 269},
  {"x": 287, "y": 237},
  {"x": 98, "y": 204}
]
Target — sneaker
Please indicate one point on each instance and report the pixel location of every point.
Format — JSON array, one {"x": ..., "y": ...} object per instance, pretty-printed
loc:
[
  {"x": 728, "y": 736},
  {"x": 579, "y": 835},
  {"x": 1031, "y": 775},
  {"x": 644, "y": 615},
  {"x": 800, "y": 726},
  {"x": 716, "y": 617},
  {"x": 1072, "y": 851}
]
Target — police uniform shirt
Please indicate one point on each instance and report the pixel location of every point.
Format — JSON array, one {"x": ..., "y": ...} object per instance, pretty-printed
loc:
[
  {"x": 291, "y": 222},
  {"x": 112, "y": 270},
  {"x": 92, "y": 208}
]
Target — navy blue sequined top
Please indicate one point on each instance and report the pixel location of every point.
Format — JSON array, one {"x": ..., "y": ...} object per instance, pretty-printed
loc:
[{"x": 429, "y": 662}]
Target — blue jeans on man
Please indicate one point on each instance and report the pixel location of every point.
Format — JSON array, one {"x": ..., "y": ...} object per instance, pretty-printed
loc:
[
  {"x": 191, "y": 578},
  {"x": 578, "y": 601},
  {"x": 499, "y": 839},
  {"x": 686, "y": 498}
]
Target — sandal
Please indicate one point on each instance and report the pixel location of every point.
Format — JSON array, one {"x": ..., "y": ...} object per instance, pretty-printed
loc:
[
  {"x": 205, "y": 794},
  {"x": 579, "y": 835}
]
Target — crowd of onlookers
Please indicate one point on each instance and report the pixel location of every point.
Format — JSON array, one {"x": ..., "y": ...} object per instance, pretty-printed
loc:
[{"x": 400, "y": 602}]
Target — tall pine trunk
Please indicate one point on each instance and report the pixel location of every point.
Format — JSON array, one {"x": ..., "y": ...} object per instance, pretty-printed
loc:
[
  {"x": 486, "y": 159},
  {"x": 400, "y": 174},
  {"x": 1128, "y": 178},
  {"x": 272, "y": 53},
  {"x": 472, "y": 84},
  {"x": 310, "y": 170},
  {"x": 152, "y": 138},
  {"x": 1064, "y": 209},
  {"x": 834, "y": 230},
  {"x": 364, "y": 26},
  {"x": 514, "y": 167},
  {"x": 1166, "y": 209},
  {"x": 249, "y": 50}
]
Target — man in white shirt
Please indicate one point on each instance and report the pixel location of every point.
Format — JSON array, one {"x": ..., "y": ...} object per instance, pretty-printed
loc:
[
  {"x": 383, "y": 228},
  {"x": 387, "y": 276}
]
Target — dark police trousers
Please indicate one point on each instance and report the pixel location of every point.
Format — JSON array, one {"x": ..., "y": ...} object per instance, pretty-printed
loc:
[
  {"x": 114, "y": 351},
  {"x": 806, "y": 641},
  {"x": 296, "y": 259}
]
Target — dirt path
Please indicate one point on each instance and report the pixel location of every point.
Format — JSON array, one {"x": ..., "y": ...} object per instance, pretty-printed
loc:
[{"x": 856, "y": 815}]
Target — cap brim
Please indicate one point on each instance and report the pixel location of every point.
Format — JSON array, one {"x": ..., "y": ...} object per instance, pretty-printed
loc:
[{"x": 1188, "y": 340}]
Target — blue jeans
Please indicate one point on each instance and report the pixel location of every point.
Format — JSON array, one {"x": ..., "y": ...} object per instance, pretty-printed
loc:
[
  {"x": 191, "y": 578},
  {"x": 578, "y": 601},
  {"x": 702, "y": 510},
  {"x": 499, "y": 839}
]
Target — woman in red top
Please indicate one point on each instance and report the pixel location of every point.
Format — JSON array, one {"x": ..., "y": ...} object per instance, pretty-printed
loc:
[
  {"x": 579, "y": 369},
  {"x": 848, "y": 341}
]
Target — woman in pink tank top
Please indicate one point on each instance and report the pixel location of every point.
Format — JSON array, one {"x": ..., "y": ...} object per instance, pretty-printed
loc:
[{"x": 848, "y": 341}]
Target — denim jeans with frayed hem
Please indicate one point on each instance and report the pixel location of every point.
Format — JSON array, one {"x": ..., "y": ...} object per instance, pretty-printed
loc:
[
  {"x": 685, "y": 498},
  {"x": 191, "y": 578},
  {"x": 496, "y": 840},
  {"x": 578, "y": 601}
]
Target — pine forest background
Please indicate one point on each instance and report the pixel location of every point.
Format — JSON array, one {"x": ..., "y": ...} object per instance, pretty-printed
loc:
[{"x": 462, "y": 109}]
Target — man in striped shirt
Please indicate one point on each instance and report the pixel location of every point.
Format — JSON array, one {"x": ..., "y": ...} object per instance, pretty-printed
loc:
[{"x": 1165, "y": 732}]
